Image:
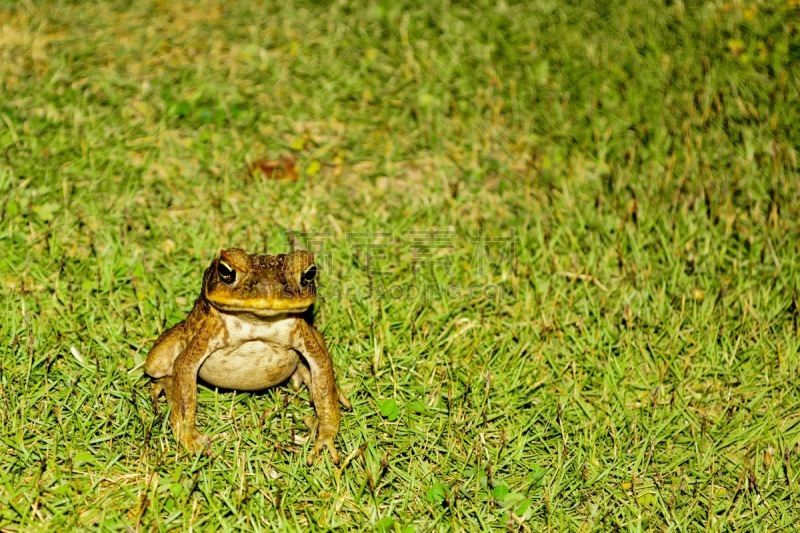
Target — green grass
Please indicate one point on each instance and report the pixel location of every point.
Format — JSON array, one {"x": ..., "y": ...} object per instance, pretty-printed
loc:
[{"x": 631, "y": 362}]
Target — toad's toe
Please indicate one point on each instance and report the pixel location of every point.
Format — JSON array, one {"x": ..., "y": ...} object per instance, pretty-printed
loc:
[{"x": 324, "y": 440}]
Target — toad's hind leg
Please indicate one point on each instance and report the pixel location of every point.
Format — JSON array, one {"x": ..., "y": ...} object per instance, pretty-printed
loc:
[
  {"x": 161, "y": 385},
  {"x": 302, "y": 376},
  {"x": 344, "y": 401}
]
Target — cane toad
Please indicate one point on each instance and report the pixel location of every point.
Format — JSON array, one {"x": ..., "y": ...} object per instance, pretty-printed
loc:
[{"x": 246, "y": 332}]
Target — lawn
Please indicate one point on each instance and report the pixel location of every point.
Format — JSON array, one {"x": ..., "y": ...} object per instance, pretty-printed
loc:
[{"x": 558, "y": 245}]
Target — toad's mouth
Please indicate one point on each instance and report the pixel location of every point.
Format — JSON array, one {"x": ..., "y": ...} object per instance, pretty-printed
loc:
[{"x": 261, "y": 306}]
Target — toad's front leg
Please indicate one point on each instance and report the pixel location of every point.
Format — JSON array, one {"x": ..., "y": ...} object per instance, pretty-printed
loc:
[
  {"x": 183, "y": 393},
  {"x": 322, "y": 387}
]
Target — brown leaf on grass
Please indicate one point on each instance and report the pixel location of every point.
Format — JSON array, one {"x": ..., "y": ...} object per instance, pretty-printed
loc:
[{"x": 276, "y": 169}]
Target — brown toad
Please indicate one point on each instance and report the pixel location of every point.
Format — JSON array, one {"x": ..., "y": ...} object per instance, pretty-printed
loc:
[{"x": 246, "y": 332}]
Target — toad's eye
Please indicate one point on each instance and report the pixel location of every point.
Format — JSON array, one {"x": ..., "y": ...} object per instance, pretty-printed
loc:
[
  {"x": 309, "y": 275},
  {"x": 226, "y": 273}
]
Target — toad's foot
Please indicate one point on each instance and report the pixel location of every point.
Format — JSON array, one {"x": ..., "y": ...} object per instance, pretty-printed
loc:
[
  {"x": 193, "y": 440},
  {"x": 325, "y": 439}
]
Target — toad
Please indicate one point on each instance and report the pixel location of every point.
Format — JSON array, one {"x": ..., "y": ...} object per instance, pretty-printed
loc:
[{"x": 247, "y": 332}]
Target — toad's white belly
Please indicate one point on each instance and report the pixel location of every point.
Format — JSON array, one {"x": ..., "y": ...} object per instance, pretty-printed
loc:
[
  {"x": 257, "y": 355},
  {"x": 253, "y": 365}
]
